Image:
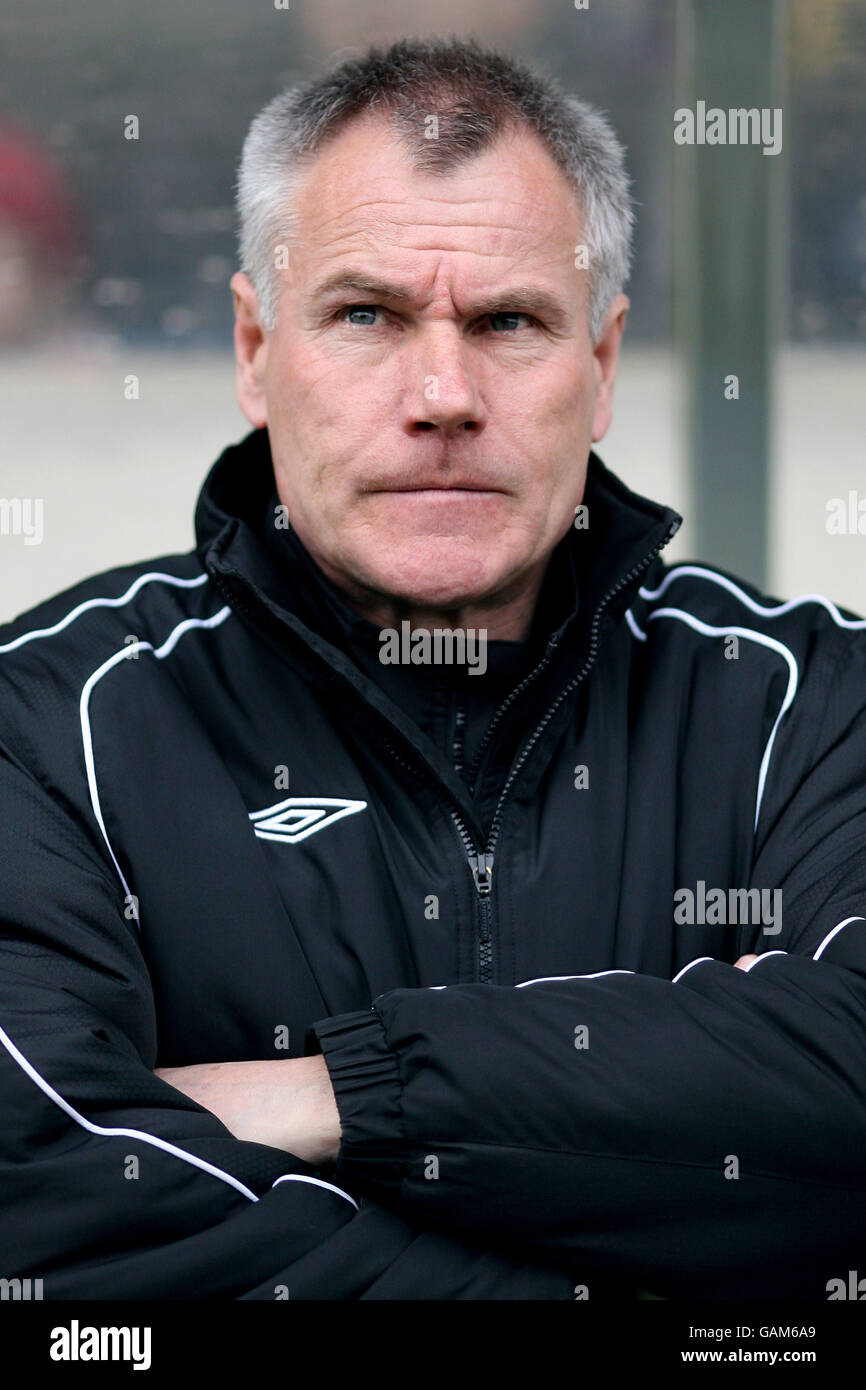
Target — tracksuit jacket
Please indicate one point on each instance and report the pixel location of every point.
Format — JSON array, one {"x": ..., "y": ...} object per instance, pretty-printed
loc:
[{"x": 507, "y": 920}]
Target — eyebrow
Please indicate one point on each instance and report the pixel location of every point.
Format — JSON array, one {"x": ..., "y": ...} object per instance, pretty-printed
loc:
[{"x": 531, "y": 299}]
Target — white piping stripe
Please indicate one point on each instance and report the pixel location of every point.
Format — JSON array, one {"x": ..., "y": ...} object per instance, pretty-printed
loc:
[
  {"x": 679, "y": 975},
  {"x": 116, "y": 1132},
  {"x": 752, "y": 963},
  {"x": 104, "y": 603},
  {"x": 829, "y": 937},
  {"x": 317, "y": 1182},
  {"x": 152, "y": 1139},
  {"x": 636, "y": 632},
  {"x": 543, "y": 979},
  {"x": 766, "y": 611},
  {"x": 86, "y": 735},
  {"x": 697, "y": 960},
  {"x": 761, "y": 638}
]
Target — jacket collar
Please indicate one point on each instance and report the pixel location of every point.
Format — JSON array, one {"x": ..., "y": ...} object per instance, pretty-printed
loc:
[{"x": 603, "y": 563}]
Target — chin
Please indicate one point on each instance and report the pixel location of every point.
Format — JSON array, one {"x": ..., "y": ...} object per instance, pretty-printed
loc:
[{"x": 437, "y": 573}]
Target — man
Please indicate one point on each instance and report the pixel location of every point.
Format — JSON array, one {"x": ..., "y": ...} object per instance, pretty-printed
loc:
[{"x": 325, "y": 975}]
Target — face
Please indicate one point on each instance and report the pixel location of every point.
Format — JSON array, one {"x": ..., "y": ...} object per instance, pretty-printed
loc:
[{"x": 431, "y": 391}]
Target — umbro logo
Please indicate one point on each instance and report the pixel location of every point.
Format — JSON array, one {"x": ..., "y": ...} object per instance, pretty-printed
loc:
[{"x": 299, "y": 816}]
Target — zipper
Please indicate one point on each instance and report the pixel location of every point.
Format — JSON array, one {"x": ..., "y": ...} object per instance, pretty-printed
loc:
[
  {"x": 481, "y": 866},
  {"x": 509, "y": 699},
  {"x": 577, "y": 680},
  {"x": 457, "y": 745},
  {"x": 482, "y": 871},
  {"x": 481, "y": 862}
]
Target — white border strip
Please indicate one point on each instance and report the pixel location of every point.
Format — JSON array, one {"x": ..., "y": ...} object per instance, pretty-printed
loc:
[
  {"x": 774, "y": 611},
  {"x": 829, "y": 937},
  {"x": 153, "y": 1139},
  {"x": 317, "y": 1182},
  {"x": 87, "y": 737},
  {"x": 697, "y": 960},
  {"x": 757, "y": 961},
  {"x": 750, "y": 636},
  {"x": 92, "y": 1128},
  {"x": 635, "y": 630},
  {"x": 543, "y": 979},
  {"x": 105, "y": 603}
]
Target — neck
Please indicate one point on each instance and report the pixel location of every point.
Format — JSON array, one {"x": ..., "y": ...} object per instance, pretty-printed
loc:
[{"x": 506, "y": 616}]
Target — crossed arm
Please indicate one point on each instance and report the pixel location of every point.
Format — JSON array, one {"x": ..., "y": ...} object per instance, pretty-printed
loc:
[
  {"x": 288, "y": 1104},
  {"x": 464, "y": 1120}
]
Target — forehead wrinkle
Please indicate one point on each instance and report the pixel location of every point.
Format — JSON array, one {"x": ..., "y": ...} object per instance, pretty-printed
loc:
[
  {"x": 413, "y": 214},
  {"x": 392, "y": 224},
  {"x": 380, "y": 225},
  {"x": 374, "y": 233}
]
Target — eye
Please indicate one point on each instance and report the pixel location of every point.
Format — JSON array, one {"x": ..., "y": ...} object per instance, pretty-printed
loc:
[
  {"x": 370, "y": 309},
  {"x": 508, "y": 314}
]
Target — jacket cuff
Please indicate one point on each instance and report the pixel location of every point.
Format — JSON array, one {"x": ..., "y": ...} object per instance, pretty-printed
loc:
[{"x": 368, "y": 1089}]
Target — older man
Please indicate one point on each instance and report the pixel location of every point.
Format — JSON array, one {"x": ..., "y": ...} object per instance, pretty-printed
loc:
[{"x": 330, "y": 975}]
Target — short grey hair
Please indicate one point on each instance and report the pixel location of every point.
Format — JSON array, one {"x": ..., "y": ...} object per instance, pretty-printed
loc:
[{"x": 477, "y": 93}]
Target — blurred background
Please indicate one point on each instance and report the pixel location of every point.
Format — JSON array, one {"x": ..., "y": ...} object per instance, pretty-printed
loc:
[{"x": 115, "y": 257}]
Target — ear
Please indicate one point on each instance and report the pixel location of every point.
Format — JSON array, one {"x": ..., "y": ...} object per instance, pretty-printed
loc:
[
  {"x": 251, "y": 350},
  {"x": 606, "y": 355}
]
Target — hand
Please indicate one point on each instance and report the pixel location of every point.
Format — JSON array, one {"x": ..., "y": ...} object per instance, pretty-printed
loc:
[
  {"x": 287, "y": 1103},
  {"x": 744, "y": 962}
]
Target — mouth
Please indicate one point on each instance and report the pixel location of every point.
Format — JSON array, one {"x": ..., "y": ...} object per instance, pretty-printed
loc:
[{"x": 449, "y": 488}]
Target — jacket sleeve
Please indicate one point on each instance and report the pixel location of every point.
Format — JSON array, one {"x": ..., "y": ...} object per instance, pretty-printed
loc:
[
  {"x": 706, "y": 1135},
  {"x": 112, "y": 1183}
]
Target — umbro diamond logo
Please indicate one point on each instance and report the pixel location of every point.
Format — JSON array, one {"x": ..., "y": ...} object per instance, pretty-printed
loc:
[{"x": 299, "y": 816}]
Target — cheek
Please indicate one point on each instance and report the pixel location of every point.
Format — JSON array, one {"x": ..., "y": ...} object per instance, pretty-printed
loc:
[
  {"x": 336, "y": 405},
  {"x": 554, "y": 405},
  {"x": 574, "y": 390}
]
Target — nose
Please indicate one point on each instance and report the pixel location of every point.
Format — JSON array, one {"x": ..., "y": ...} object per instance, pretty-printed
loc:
[{"x": 442, "y": 391}]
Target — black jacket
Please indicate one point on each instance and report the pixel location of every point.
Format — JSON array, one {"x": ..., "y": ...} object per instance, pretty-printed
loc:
[{"x": 223, "y": 838}]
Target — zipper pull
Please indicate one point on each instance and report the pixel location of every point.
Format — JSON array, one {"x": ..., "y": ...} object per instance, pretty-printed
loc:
[
  {"x": 482, "y": 871},
  {"x": 457, "y": 745}
]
